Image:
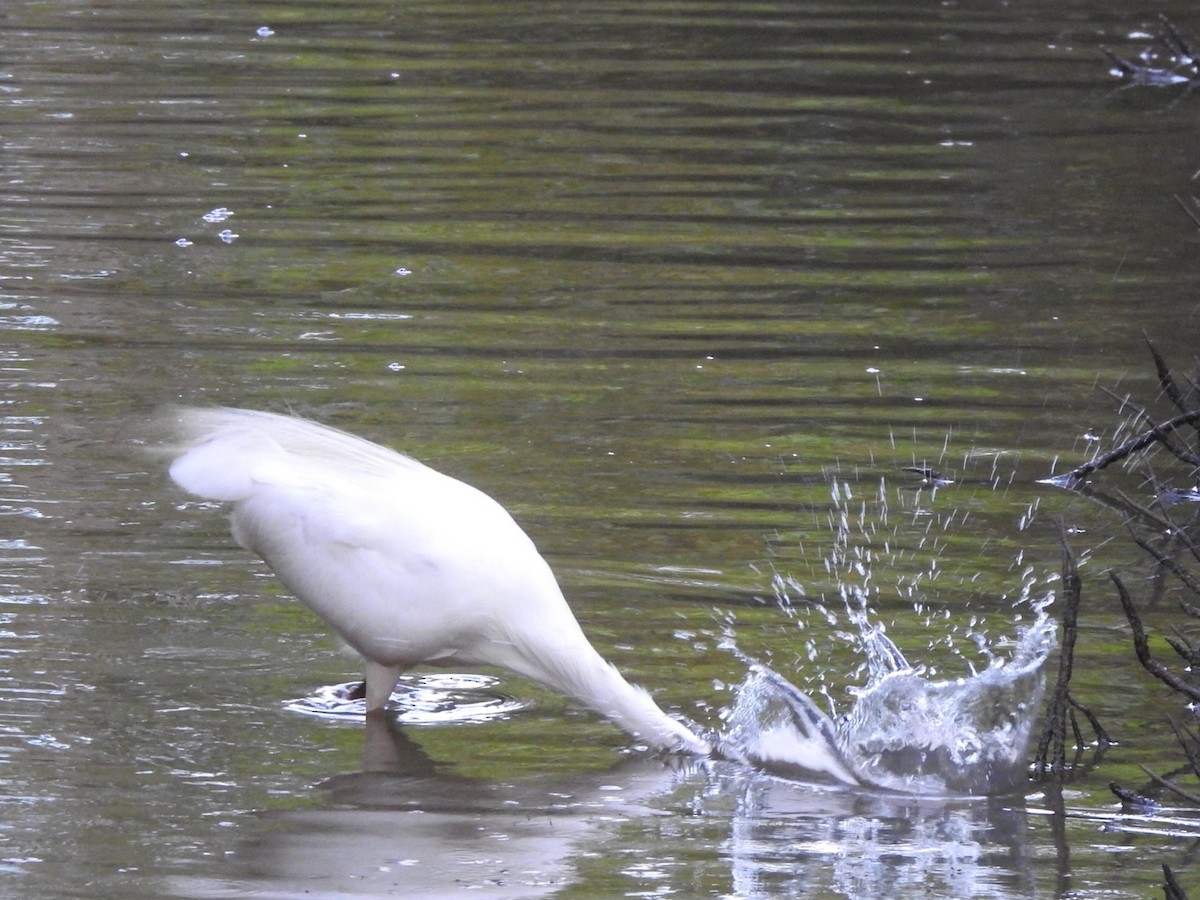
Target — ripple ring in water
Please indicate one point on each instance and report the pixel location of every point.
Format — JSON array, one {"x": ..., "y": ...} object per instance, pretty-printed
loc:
[{"x": 419, "y": 700}]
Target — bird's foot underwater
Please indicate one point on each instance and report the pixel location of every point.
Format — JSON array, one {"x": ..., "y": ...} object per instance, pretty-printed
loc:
[{"x": 354, "y": 691}]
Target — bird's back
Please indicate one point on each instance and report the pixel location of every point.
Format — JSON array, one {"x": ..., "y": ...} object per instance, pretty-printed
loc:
[
  {"x": 407, "y": 564},
  {"x": 220, "y": 448}
]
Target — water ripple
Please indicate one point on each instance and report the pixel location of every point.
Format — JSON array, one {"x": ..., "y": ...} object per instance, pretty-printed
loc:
[{"x": 419, "y": 700}]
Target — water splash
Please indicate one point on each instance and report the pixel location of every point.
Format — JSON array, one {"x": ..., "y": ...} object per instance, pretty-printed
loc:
[
  {"x": 904, "y": 732},
  {"x": 909, "y": 728}
]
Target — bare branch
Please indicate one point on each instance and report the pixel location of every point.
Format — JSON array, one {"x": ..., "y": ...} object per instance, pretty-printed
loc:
[
  {"x": 1139, "y": 442},
  {"x": 1188, "y": 742},
  {"x": 1170, "y": 388},
  {"x": 1142, "y": 647},
  {"x": 1051, "y": 754},
  {"x": 1168, "y": 563},
  {"x": 1171, "y": 888},
  {"x": 1101, "y": 735},
  {"x": 1171, "y": 786}
]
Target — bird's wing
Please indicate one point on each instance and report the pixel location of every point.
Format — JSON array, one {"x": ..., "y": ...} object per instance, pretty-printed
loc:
[{"x": 222, "y": 451}]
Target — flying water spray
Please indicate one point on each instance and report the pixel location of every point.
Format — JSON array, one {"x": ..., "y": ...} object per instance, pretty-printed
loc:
[{"x": 904, "y": 729}]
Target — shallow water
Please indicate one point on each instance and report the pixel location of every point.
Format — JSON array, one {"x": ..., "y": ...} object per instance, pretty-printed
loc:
[{"x": 650, "y": 276}]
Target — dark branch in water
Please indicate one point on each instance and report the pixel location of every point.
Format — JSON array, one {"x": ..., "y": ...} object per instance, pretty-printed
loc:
[
  {"x": 1188, "y": 741},
  {"x": 1171, "y": 888},
  {"x": 1171, "y": 786},
  {"x": 931, "y": 477},
  {"x": 1173, "y": 393},
  {"x": 1102, "y": 737},
  {"x": 1158, "y": 434},
  {"x": 1179, "y": 45},
  {"x": 1142, "y": 647},
  {"x": 1133, "y": 802},
  {"x": 1165, "y": 378},
  {"x": 1170, "y": 540},
  {"x": 1169, "y": 563},
  {"x": 1164, "y": 433},
  {"x": 1176, "y": 64},
  {"x": 1050, "y": 760}
]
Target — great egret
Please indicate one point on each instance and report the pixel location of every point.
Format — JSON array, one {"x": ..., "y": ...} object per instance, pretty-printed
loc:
[{"x": 406, "y": 564}]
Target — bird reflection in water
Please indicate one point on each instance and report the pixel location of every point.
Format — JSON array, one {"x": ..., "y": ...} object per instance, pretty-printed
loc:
[{"x": 407, "y": 825}]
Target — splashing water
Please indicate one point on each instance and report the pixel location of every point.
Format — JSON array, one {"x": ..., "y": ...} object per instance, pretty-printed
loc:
[{"x": 904, "y": 732}]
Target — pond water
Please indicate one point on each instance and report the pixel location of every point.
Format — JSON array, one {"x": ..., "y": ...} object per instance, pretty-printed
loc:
[{"x": 667, "y": 279}]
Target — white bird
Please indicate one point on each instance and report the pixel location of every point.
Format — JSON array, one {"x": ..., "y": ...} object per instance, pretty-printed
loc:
[{"x": 406, "y": 564}]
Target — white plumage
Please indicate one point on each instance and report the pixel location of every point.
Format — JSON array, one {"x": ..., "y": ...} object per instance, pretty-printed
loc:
[{"x": 408, "y": 565}]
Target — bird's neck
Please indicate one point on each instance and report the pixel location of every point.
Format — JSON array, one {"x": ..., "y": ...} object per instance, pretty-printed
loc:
[{"x": 588, "y": 678}]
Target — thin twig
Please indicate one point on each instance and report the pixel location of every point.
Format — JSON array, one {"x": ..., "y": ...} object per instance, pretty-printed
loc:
[
  {"x": 1142, "y": 647},
  {"x": 1165, "y": 522},
  {"x": 1165, "y": 379},
  {"x": 1102, "y": 737},
  {"x": 1168, "y": 563},
  {"x": 1051, "y": 755},
  {"x": 1179, "y": 44},
  {"x": 1187, "y": 741},
  {"x": 1141, "y": 441},
  {"x": 1171, "y": 786},
  {"x": 1152, "y": 519},
  {"x": 1187, "y": 651}
]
